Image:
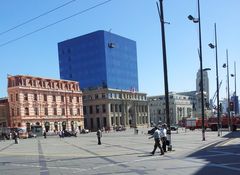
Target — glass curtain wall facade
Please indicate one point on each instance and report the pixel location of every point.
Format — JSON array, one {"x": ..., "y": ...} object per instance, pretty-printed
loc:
[{"x": 99, "y": 59}]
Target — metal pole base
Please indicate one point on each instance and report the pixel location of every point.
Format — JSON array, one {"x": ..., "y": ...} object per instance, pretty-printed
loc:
[
  {"x": 170, "y": 148},
  {"x": 203, "y": 136}
]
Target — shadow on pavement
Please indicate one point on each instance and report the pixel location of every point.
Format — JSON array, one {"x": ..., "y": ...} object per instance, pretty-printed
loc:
[{"x": 222, "y": 157}]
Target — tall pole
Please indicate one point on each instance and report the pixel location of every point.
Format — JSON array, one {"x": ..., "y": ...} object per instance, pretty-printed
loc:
[
  {"x": 235, "y": 83},
  {"x": 235, "y": 79},
  {"x": 161, "y": 16},
  {"x": 218, "y": 110},
  {"x": 228, "y": 94},
  {"x": 201, "y": 68}
]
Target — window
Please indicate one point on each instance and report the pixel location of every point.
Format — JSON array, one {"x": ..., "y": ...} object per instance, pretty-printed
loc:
[
  {"x": 77, "y": 99},
  {"x": 16, "y": 97},
  {"x": 78, "y": 111},
  {"x": 35, "y": 97},
  {"x": 63, "y": 111},
  {"x": 54, "y": 111},
  {"x": 111, "y": 107},
  {"x": 103, "y": 95},
  {"x": 45, "y": 97},
  {"x": 62, "y": 98},
  {"x": 54, "y": 98},
  {"x": 71, "y": 111},
  {"x": 11, "y": 96},
  {"x": 18, "y": 111},
  {"x": 97, "y": 108},
  {"x": 91, "y": 110},
  {"x": 26, "y": 111},
  {"x": 36, "y": 111},
  {"x": 34, "y": 83},
  {"x": 12, "y": 112},
  {"x": 104, "y": 108},
  {"x": 70, "y": 99},
  {"x": 116, "y": 108},
  {"x": 26, "y": 97},
  {"x": 120, "y": 108},
  {"x": 46, "y": 111},
  {"x": 96, "y": 96}
]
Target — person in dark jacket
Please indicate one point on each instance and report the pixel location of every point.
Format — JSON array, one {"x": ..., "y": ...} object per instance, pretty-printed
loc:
[{"x": 99, "y": 135}]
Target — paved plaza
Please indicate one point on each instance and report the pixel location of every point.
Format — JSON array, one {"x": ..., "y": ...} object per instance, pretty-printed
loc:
[{"x": 122, "y": 153}]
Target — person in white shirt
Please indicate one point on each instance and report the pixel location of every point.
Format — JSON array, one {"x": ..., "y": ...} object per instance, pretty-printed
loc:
[
  {"x": 156, "y": 136},
  {"x": 164, "y": 137}
]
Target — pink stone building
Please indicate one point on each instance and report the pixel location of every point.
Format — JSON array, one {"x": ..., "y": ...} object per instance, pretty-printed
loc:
[{"x": 53, "y": 105}]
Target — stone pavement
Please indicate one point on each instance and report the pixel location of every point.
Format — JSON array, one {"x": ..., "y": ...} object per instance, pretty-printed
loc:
[{"x": 121, "y": 153}]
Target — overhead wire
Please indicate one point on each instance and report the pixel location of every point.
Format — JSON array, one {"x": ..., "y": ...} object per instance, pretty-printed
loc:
[
  {"x": 49, "y": 25},
  {"x": 34, "y": 18}
]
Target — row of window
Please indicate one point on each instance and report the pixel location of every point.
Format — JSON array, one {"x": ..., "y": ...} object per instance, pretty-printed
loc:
[
  {"x": 180, "y": 111},
  {"x": 37, "y": 97},
  {"x": 115, "y": 96},
  {"x": 36, "y": 110},
  {"x": 113, "y": 108},
  {"x": 170, "y": 97},
  {"x": 45, "y": 84},
  {"x": 94, "y": 109}
]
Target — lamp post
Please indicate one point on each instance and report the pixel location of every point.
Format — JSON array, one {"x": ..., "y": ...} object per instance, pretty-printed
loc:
[
  {"x": 235, "y": 86},
  {"x": 161, "y": 16},
  {"x": 217, "y": 81},
  {"x": 225, "y": 65},
  {"x": 198, "y": 20}
]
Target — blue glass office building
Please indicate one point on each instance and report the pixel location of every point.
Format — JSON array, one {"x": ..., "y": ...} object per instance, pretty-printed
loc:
[{"x": 99, "y": 59}]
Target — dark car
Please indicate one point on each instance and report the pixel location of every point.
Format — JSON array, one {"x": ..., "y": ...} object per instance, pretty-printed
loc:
[
  {"x": 120, "y": 128},
  {"x": 174, "y": 128},
  {"x": 70, "y": 133},
  {"x": 84, "y": 131}
]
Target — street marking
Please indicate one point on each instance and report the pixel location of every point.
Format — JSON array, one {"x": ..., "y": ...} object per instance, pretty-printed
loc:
[{"x": 77, "y": 170}]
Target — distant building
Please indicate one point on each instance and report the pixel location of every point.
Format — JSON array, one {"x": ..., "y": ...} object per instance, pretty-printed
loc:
[
  {"x": 235, "y": 101},
  {"x": 180, "y": 107},
  {"x": 4, "y": 112},
  {"x": 99, "y": 59},
  {"x": 205, "y": 84},
  {"x": 52, "y": 104},
  {"x": 111, "y": 108}
]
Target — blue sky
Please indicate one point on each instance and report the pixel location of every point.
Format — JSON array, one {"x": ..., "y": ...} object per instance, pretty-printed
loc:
[{"x": 37, "y": 54}]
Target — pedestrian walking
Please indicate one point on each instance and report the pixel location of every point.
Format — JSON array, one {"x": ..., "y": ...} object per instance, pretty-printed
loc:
[
  {"x": 156, "y": 136},
  {"x": 15, "y": 135},
  {"x": 163, "y": 131},
  {"x": 99, "y": 135}
]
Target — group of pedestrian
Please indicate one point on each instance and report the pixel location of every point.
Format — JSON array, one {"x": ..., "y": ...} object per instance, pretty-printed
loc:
[{"x": 160, "y": 136}]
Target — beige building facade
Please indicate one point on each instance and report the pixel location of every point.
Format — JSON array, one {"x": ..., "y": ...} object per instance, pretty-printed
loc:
[
  {"x": 180, "y": 106},
  {"x": 51, "y": 104},
  {"x": 109, "y": 108}
]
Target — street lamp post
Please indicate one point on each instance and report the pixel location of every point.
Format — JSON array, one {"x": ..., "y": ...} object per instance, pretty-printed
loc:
[
  {"x": 198, "y": 20},
  {"x": 217, "y": 81},
  {"x": 235, "y": 86},
  {"x": 225, "y": 65},
  {"x": 161, "y": 16}
]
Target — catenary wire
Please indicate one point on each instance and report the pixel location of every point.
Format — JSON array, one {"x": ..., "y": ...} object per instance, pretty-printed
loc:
[
  {"x": 49, "y": 25},
  {"x": 32, "y": 19}
]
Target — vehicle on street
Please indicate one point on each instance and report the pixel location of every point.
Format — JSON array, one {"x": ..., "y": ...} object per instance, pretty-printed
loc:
[
  {"x": 120, "y": 128},
  {"x": 32, "y": 135},
  {"x": 70, "y": 133},
  {"x": 195, "y": 123},
  {"x": 174, "y": 127},
  {"x": 84, "y": 131}
]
